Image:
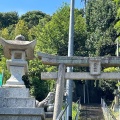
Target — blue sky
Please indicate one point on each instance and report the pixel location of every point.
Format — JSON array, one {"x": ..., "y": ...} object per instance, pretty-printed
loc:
[{"x": 46, "y": 6}]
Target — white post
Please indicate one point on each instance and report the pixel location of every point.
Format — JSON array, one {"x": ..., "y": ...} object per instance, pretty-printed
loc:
[
  {"x": 59, "y": 91},
  {"x": 118, "y": 56}
]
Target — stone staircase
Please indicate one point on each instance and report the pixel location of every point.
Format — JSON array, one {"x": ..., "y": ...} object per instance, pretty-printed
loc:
[{"x": 91, "y": 112}]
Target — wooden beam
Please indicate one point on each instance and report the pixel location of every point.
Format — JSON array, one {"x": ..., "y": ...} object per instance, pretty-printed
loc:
[
  {"x": 77, "y": 60},
  {"x": 81, "y": 76}
]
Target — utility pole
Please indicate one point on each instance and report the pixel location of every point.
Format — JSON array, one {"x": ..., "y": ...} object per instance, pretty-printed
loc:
[
  {"x": 118, "y": 80},
  {"x": 118, "y": 56},
  {"x": 69, "y": 83}
]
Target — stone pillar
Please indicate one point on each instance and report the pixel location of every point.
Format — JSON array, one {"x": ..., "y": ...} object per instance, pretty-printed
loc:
[{"x": 59, "y": 91}]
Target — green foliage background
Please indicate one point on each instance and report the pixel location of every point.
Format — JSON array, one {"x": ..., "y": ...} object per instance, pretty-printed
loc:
[{"x": 96, "y": 29}]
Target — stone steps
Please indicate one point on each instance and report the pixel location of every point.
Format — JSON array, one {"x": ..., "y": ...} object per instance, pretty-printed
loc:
[{"x": 91, "y": 112}]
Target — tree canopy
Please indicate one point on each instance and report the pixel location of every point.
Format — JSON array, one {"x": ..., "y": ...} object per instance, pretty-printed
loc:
[
  {"x": 8, "y": 18},
  {"x": 117, "y": 25},
  {"x": 100, "y": 20},
  {"x": 95, "y": 32},
  {"x": 32, "y": 17},
  {"x": 53, "y": 38}
]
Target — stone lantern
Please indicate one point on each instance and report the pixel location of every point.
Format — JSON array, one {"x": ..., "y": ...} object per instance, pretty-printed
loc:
[
  {"x": 15, "y": 100},
  {"x": 17, "y": 51}
]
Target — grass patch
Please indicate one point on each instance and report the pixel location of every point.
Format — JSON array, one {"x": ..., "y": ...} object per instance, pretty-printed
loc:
[
  {"x": 116, "y": 114},
  {"x": 74, "y": 110}
]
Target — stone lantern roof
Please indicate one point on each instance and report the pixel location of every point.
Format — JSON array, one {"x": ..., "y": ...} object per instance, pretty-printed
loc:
[{"x": 18, "y": 44}]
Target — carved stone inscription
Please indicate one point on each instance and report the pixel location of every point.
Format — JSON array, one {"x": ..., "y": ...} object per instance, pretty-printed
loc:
[{"x": 95, "y": 66}]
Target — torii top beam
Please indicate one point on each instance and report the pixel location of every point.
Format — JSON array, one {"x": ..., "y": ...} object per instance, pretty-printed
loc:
[{"x": 77, "y": 60}]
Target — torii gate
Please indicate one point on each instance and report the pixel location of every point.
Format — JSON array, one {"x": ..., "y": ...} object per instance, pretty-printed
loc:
[{"x": 95, "y": 64}]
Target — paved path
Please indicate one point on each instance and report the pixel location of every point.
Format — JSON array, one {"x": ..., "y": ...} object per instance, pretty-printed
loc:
[{"x": 91, "y": 112}]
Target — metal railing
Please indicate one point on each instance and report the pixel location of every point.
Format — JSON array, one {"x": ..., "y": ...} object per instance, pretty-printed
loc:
[
  {"x": 106, "y": 111},
  {"x": 62, "y": 115},
  {"x": 78, "y": 109}
]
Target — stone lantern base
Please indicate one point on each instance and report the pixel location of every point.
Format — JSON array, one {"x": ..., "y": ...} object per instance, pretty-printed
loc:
[
  {"x": 21, "y": 114},
  {"x": 17, "y": 70},
  {"x": 16, "y": 104}
]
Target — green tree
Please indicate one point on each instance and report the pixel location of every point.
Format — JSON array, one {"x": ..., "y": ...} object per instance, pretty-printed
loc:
[
  {"x": 101, "y": 35},
  {"x": 117, "y": 25},
  {"x": 3, "y": 69},
  {"x": 21, "y": 28},
  {"x": 8, "y": 18},
  {"x": 108, "y": 86},
  {"x": 54, "y": 35},
  {"x": 1, "y": 20},
  {"x": 36, "y": 30},
  {"x": 5, "y": 33},
  {"x": 100, "y": 19},
  {"x": 32, "y": 17},
  {"x": 52, "y": 38},
  {"x": 39, "y": 88}
]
